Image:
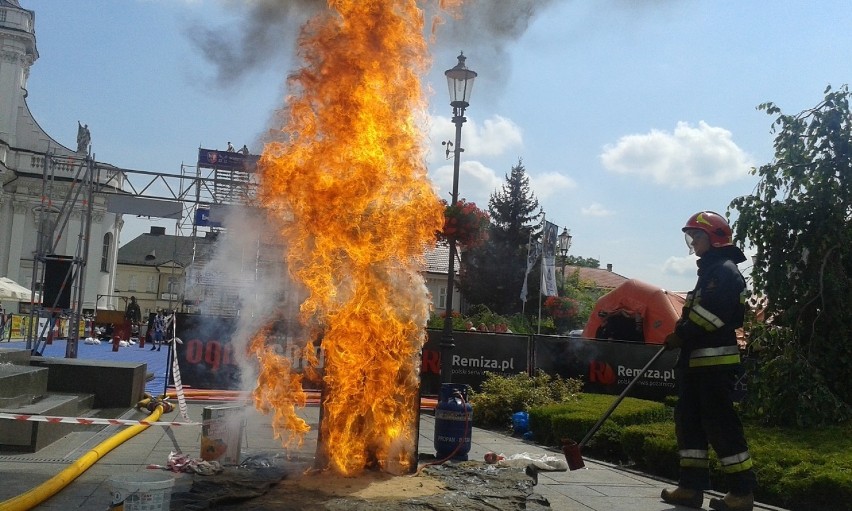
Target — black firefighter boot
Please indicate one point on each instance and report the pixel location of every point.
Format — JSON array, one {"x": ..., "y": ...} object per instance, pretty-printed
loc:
[
  {"x": 683, "y": 497},
  {"x": 733, "y": 502}
]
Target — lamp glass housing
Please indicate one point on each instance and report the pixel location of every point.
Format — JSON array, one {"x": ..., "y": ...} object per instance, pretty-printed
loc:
[
  {"x": 460, "y": 81},
  {"x": 564, "y": 242}
]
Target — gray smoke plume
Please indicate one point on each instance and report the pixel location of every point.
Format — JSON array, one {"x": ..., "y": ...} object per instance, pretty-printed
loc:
[{"x": 264, "y": 32}]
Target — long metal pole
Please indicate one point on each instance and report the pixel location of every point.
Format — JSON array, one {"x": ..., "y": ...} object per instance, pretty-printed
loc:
[
  {"x": 541, "y": 280},
  {"x": 447, "y": 341},
  {"x": 620, "y": 398}
]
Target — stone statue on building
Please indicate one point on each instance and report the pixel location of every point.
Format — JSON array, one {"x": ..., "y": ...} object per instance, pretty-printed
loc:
[{"x": 83, "y": 138}]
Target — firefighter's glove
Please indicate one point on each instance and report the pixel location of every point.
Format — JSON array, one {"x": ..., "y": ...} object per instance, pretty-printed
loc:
[{"x": 673, "y": 342}]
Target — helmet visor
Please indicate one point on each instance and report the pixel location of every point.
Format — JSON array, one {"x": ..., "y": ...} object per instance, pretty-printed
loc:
[
  {"x": 689, "y": 239},
  {"x": 690, "y": 236}
]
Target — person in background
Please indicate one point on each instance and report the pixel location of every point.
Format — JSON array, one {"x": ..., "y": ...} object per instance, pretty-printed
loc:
[
  {"x": 133, "y": 315},
  {"x": 2, "y": 322},
  {"x": 706, "y": 371},
  {"x": 149, "y": 329},
  {"x": 159, "y": 331}
]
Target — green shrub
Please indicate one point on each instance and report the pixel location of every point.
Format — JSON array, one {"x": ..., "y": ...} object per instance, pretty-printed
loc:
[
  {"x": 606, "y": 443},
  {"x": 809, "y": 487},
  {"x": 803, "y": 469},
  {"x": 778, "y": 395},
  {"x": 799, "y": 469},
  {"x": 502, "y": 396},
  {"x": 652, "y": 447},
  {"x": 482, "y": 315},
  {"x": 573, "y": 420}
]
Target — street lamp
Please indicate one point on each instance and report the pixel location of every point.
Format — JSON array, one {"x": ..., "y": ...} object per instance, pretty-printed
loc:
[
  {"x": 460, "y": 81},
  {"x": 563, "y": 243}
]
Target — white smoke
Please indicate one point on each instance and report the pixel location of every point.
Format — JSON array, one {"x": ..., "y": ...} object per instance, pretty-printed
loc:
[{"x": 250, "y": 275}]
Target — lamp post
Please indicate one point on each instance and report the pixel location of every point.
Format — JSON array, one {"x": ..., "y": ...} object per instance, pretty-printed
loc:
[
  {"x": 563, "y": 243},
  {"x": 460, "y": 81}
]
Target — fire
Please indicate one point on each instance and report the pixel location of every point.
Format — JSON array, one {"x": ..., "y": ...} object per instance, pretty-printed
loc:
[{"x": 351, "y": 181}]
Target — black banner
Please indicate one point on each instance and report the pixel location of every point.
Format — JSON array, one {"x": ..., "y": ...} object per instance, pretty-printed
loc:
[
  {"x": 607, "y": 367},
  {"x": 206, "y": 357},
  {"x": 227, "y": 160},
  {"x": 475, "y": 353}
]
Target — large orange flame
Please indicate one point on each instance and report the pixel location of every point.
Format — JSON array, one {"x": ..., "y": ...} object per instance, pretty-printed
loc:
[{"x": 351, "y": 182}]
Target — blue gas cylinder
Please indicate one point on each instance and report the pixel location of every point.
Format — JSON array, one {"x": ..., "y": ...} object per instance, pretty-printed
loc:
[{"x": 453, "y": 422}]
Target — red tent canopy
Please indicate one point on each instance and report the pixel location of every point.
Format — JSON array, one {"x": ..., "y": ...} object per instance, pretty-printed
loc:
[{"x": 635, "y": 311}]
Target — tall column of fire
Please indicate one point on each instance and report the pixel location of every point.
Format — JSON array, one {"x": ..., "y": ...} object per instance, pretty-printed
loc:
[{"x": 351, "y": 182}]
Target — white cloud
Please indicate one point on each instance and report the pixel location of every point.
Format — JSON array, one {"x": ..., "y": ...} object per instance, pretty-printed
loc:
[
  {"x": 680, "y": 265},
  {"x": 476, "y": 182},
  {"x": 547, "y": 184},
  {"x": 494, "y": 137},
  {"x": 690, "y": 157},
  {"x": 596, "y": 209}
]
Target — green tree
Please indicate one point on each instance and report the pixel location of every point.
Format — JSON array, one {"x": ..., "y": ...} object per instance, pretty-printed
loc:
[
  {"x": 585, "y": 293},
  {"x": 514, "y": 209},
  {"x": 798, "y": 221},
  {"x": 492, "y": 274},
  {"x": 585, "y": 262}
]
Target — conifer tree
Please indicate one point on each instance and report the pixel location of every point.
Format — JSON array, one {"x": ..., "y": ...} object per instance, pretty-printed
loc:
[{"x": 492, "y": 274}]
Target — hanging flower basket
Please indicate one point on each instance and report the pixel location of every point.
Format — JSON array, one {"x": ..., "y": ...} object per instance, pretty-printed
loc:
[
  {"x": 561, "y": 307},
  {"x": 465, "y": 223}
]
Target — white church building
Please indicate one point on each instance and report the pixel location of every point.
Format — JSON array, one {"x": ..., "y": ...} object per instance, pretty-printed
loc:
[
  {"x": 51, "y": 203},
  {"x": 59, "y": 208}
]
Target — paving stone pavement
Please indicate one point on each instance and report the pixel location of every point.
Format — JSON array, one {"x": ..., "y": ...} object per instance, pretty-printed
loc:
[{"x": 598, "y": 487}]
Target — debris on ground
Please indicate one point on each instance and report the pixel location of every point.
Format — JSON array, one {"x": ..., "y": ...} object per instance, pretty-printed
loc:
[
  {"x": 179, "y": 462},
  {"x": 462, "y": 486}
]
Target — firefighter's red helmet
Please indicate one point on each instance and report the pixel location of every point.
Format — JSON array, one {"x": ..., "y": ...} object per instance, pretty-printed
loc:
[{"x": 714, "y": 225}]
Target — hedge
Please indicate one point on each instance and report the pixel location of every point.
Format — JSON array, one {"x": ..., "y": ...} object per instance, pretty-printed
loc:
[{"x": 800, "y": 470}]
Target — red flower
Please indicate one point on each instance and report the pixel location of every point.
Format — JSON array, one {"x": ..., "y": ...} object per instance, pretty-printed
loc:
[
  {"x": 560, "y": 307},
  {"x": 465, "y": 223}
]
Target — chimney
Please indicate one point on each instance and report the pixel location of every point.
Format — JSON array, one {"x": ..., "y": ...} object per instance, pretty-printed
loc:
[
  {"x": 157, "y": 231},
  {"x": 609, "y": 267}
]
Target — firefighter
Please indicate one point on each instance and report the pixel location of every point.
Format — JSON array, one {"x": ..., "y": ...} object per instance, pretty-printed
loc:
[{"x": 706, "y": 371}]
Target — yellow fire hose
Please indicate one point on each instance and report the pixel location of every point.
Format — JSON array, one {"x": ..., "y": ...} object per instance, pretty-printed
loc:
[{"x": 56, "y": 483}]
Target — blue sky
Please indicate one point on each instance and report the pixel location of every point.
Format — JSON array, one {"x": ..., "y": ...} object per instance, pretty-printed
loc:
[{"x": 629, "y": 116}]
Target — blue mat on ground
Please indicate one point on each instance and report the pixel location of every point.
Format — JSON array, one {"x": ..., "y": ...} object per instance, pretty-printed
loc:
[{"x": 156, "y": 360}]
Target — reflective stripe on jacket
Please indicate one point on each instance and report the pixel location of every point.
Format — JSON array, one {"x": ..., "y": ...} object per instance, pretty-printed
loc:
[{"x": 712, "y": 313}]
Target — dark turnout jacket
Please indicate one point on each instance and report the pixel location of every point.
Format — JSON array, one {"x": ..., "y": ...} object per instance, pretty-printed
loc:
[{"x": 713, "y": 311}]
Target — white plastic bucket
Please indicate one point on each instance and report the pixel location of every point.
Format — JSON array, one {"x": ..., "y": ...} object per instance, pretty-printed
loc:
[{"x": 141, "y": 491}]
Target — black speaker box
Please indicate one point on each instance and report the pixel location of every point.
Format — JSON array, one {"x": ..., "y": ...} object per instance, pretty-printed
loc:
[{"x": 57, "y": 268}]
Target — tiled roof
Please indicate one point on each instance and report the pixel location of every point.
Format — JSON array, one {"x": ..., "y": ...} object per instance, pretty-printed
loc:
[
  {"x": 602, "y": 278},
  {"x": 165, "y": 247},
  {"x": 438, "y": 259}
]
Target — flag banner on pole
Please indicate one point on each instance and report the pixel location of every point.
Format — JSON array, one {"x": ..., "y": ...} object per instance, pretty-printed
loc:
[
  {"x": 533, "y": 251},
  {"x": 548, "y": 259}
]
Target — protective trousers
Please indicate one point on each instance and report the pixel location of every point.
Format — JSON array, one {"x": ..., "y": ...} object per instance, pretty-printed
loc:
[{"x": 704, "y": 415}]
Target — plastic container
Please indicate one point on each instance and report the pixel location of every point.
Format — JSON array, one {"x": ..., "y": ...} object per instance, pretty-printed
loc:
[
  {"x": 141, "y": 491},
  {"x": 520, "y": 423},
  {"x": 221, "y": 433}
]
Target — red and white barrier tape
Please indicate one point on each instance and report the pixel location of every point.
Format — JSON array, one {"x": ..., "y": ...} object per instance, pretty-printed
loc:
[
  {"x": 181, "y": 398},
  {"x": 90, "y": 421}
]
